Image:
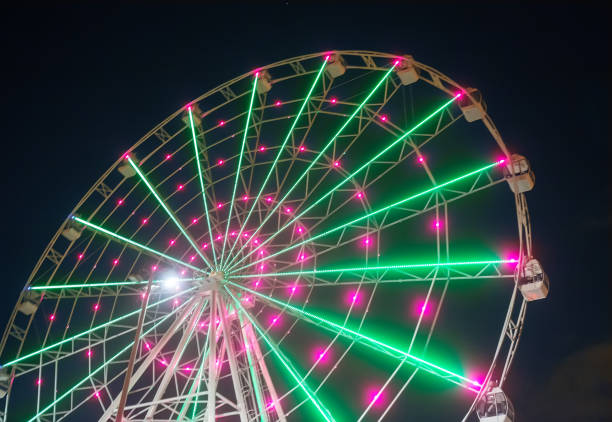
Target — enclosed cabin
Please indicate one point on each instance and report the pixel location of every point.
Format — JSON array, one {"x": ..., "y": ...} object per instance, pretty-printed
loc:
[
  {"x": 335, "y": 66},
  {"x": 4, "y": 382},
  {"x": 406, "y": 71},
  {"x": 519, "y": 175},
  {"x": 29, "y": 302},
  {"x": 494, "y": 406},
  {"x": 264, "y": 82},
  {"x": 472, "y": 105},
  {"x": 72, "y": 230},
  {"x": 533, "y": 281},
  {"x": 126, "y": 169}
]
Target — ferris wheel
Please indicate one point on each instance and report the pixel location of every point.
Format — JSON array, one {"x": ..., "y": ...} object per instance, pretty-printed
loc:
[{"x": 336, "y": 236}]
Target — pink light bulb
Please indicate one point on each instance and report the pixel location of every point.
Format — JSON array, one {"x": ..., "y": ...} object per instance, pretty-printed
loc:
[
  {"x": 383, "y": 118},
  {"x": 183, "y": 272},
  {"x": 333, "y": 100},
  {"x": 501, "y": 161},
  {"x": 52, "y": 317},
  {"x": 233, "y": 234},
  {"x": 154, "y": 268},
  {"x": 194, "y": 221},
  {"x": 288, "y": 210},
  {"x": 221, "y": 123},
  {"x": 274, "y": 321},
  {"x": 336, "y": 163},
  {"x": 459, "y": 95},
  {"x": 245, "y": 198},
  {"x": 80, "y": 256},
  {"x": 396, "y": 62},
  {"x": 120, "y": 201},
  {"x": 300, "y": 230},
  {"x": 115, "y": 261},
  {"x": 204, "y": 245},
  {"x": 262, "y": 148},
  {"x": 277, "y": 103},
  {"x": 172, "y": 242},
  {"x": 168, "y": 156},
  {"x": 302, "y": 148},
  {"x": 421, "y": 159},
  {"x": 220, "y": 205},
  {"x": 89, "y": 353},
  {"x": 257, "y": 283},
  {"x": 96, "y": 307},
  {"x": 220, "y": 162},
  {"x": 270, "y": 405},
  {"x": 268, "y": 199},
  {"x": 145, "y": 220},
  {"x": 245, "y": 235},
  {"x": 219, "y": 237},
  {"x": 192, "y": 258},
  {"x": 180, "y": 187},
  {"x": 359, "y": 195},
  {"x": 97, "y": 394},
  {"x": 39, "y": 381},
  {"x": 366, "y": 241}
]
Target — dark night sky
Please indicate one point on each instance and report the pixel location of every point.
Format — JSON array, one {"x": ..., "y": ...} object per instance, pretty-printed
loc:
[{"x": 82, "y": 84}]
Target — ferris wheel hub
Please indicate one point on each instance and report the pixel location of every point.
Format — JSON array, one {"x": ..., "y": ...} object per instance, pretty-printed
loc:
[{"x": 216, "y": 276}]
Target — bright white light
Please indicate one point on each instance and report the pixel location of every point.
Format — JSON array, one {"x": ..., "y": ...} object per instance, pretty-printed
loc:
[{"x": 171, "y": 283}]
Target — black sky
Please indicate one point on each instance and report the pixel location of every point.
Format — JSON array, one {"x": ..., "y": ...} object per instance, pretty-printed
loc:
[{"x": 81, "y": 84}]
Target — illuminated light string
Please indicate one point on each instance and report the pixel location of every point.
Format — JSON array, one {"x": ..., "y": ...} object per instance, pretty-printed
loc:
[
  {"x": 414, "y": 360},
  {"x": 316, "y": 159},
  {"x": 353, "y": 174},
  {"x": 165, "y": 207},
  {"x": 376, "y": 268},
  {"x": 244, "y": 139},
  {"x": 133, "y": 243},
  {"x": 107, "y": 284},
  {"x": 201, "y": 178},
  {"x": 89, "y": 331},
  {"x": 378, "y": 211},
  {"x": 104, "y": 365},
  {"x": 300, "y": 381},
  {"x": 278, "y": 155}
]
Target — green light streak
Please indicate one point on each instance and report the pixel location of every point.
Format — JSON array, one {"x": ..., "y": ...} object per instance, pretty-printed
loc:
[
  {"x": 91, "y": 330},
  {"x": 201, "y": 177},
  {"x": 348, "y": 178},
  {"x": 260, "y": 402},
  {"x": 136, "y": 244},
  {"x": 278, "y": 155},
  {"x": 383, "y": 209},
  {"x": 170, "y": 213},
  {"x": 301, "y": 382},
  {"x": 375, "y": 268},
  {"x": 107, "y": 284},
  {"x": 305, "y": 172},
  {"x": 416, "y": 361},
  {"x": 244, "y": 138},
  {"x": 99, "y": 368}
]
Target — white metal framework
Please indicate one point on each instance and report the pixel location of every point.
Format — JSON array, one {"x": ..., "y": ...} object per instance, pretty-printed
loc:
[{"x": 188, "y": 283}]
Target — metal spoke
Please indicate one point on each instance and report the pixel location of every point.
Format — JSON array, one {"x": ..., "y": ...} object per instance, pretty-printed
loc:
[
  {"x": 300, "y": 381},
  {"x": 134, "y": 244},
  {"x": 168, "y": 211},
  {"x": 316, "y": 159}
]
